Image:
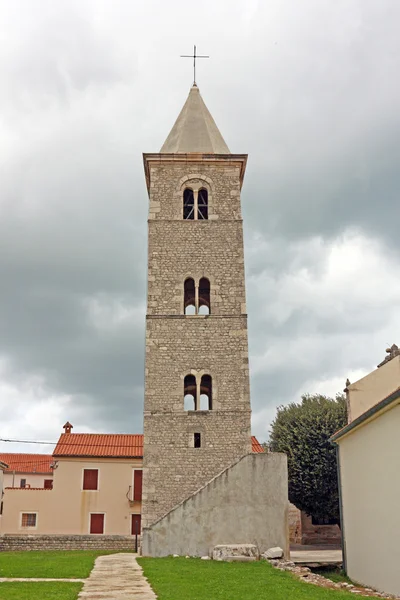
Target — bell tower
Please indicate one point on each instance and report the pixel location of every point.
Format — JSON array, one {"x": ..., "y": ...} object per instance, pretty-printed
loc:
[{"x": 197, "y": 401}]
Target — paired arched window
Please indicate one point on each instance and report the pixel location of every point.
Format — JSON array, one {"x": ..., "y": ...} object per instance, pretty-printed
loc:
[
  {"x": 197, "y": 393},
  {"x": 196, "y": 300},
  {"x": 195, "y": 204}
]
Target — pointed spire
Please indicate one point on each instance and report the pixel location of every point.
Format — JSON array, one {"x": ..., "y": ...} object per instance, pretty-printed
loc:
[{"x": 195, "y": 129}]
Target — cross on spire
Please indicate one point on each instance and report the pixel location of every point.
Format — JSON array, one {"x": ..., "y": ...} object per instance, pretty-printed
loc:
[{"x": 194, "y": 56}]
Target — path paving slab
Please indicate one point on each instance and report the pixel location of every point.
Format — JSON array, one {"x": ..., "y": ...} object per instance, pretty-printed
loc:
[{"x": 116, "y": 577}]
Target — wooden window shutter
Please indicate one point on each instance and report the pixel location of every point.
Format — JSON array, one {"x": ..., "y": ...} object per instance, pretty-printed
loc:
[
  {"x": 96, "y": 523},
  {"x": 137, "y": 484},
  {"x": 90, "y": 479}
]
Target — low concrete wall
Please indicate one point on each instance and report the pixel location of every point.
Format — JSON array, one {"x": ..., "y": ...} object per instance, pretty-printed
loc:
[
  {"x": 10, "y": 543},
  {"x": 246, "y": 503}
]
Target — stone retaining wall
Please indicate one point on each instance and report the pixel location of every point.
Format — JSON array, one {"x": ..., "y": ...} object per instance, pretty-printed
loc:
[{"x": 67, "y": 542}]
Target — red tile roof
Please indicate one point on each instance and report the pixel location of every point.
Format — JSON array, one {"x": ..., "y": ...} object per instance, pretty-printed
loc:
[
  {"x": 108, "y": 445},
  {"x": 27, "y": 463},
  {"x": 255, "y": 445},
  {"x": 105, "y": 445}
]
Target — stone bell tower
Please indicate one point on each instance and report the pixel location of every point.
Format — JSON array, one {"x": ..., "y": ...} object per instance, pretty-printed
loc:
[{"x": 197, "y": 403}]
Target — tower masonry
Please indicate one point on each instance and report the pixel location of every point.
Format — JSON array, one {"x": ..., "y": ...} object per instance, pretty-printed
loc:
[{"x": 197, "y": 401}]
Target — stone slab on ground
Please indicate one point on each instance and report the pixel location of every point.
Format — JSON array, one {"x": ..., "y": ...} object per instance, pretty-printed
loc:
[
  {"x": 273, "y": 552},
  {"x": 116, "y": 577},
  {"x": 317, "y": 557},
  {"x": 229, "y": 551}
]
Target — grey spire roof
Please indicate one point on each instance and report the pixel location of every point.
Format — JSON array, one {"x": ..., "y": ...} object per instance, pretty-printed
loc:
[{"x": 195, "y": 129}]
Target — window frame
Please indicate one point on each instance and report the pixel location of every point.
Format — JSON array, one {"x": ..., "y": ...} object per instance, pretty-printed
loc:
[
  {"x": 22, "y": 483},
  {"x": 104, "y": 522},
  {"x": 133, "y": 485},
  {"x": 24, "y": 512},
  {"x": 83, "y": 480},
  {"x": 199, "y": 210}
]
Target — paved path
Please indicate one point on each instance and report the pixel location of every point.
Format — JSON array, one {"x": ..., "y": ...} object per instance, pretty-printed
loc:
[{"x": 116, "y": 577}]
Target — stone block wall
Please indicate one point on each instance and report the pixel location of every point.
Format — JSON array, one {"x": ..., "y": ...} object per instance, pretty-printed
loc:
[
  {"x": 11, "y": 543},
  {"x": 182, "y": 249},
  {"x": 179, "y": 345}
]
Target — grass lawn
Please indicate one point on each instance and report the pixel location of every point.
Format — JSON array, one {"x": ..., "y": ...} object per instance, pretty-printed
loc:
[
  {"x": 335, "y": 576},
  {"x": 196, "y": 579},
  {"x": 40, "y": 591},
  {"x": 68, "y": 564}
]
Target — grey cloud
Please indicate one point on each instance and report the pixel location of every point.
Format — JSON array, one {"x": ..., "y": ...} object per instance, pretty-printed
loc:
[{"x": 310, "y": 91}]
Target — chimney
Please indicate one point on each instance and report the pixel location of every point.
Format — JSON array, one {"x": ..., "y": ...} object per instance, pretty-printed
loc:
[{"x": 67, "y": 427}]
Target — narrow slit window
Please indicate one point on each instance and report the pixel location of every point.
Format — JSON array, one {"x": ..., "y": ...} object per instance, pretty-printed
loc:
[
  {"x": 206, "y": 393},
  {"x": 189, "y": 297},
  {"x": 202, "y": 204},
  {"x": 188, "y": 204},
  {"x": 204, "y": 296},
  {"x": 190, "y": 393},
  {"x": 197, "y": 440}
]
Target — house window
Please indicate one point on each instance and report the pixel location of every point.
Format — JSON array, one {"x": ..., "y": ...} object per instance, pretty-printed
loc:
[
  {"x": 28, "y": 519},
  {"x": 137, "y": 484},
  {"x": 202, "y": 204},
  {"x": 48, "y": 484},
  {"x": 22, "y": 483},
  {"x": 196, "y": 298},
  {"x": 189, "y": 297},
  {"x": 204, "y": 296},
  {"x": 90, "y": 479},
  {"x": 206, "y": 393},
  {"x": 197, "y": 440},
  {"x": 189, "y": 392},
  {"x": 136, "y": 524},
  {"x": 197, "y": 397},
  {"x": 96, "y": 522},
  {"x": 188, "y": 204}
]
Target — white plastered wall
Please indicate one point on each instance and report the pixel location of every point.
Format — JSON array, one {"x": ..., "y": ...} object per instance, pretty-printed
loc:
[{"x": 370, "y": 478}]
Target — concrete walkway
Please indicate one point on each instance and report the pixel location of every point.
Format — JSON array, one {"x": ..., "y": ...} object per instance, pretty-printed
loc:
[{"x": 116, "y": 577}]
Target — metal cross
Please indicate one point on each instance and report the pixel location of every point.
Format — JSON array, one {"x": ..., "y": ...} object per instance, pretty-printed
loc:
[{"x": 194, "y": 56}]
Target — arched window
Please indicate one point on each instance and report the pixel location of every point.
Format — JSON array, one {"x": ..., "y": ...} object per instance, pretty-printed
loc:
[
  {"x": 190, "y": 393},
  {"x": 189, "y": 297},
  {"x": 188, "y": 204},
  {"x": 202, "y": 204},
  {"x": 204, "y": 297},
  {"x": 206, "y": 393}
]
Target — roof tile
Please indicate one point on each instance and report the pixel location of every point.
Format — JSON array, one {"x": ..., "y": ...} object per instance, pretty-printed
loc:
[
  {"x": 27, "y": 463},
  {"x": 105, "y": 445}
]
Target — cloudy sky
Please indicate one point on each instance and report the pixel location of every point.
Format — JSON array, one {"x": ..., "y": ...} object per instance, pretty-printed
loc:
[{"x": 310, "y": 90}]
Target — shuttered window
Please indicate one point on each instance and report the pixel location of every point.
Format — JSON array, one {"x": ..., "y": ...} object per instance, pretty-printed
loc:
[
  {"x": 90, "y": 479},
  {"x": 137, "y": 484},
  {"x": 48, "y": 484},
  {"x": 28, "y": 520},
  {"x": 136, "y": 524},
  {"x": 97, "y": 523}
]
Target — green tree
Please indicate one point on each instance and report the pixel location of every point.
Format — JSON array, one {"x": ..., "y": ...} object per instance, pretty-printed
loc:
[{"x": 302, "y": 430}]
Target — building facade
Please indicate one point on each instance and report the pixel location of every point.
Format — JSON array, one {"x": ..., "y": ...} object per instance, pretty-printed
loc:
[
  {"x": 369, "y": 467},
  {"x": 28, "y": 470},
  {"x": 197, "y": 401},
  {"x": 97, "y": 489}
]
